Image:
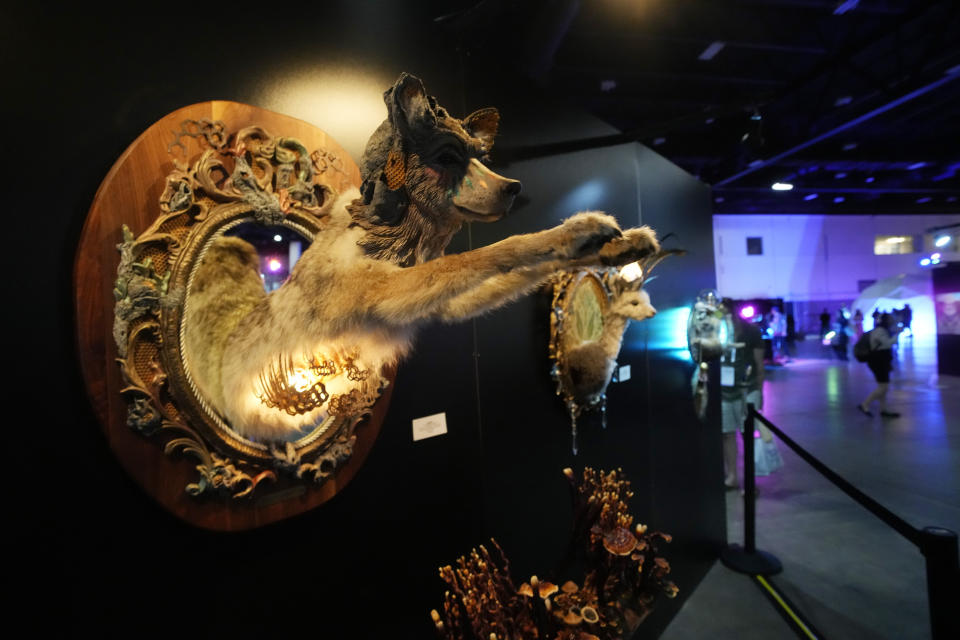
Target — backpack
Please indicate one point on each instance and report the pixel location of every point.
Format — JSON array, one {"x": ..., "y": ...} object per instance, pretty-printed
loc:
[{"x": 862, "y": 350}]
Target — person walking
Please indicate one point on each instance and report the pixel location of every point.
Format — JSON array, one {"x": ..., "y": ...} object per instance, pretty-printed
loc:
[{"x": 882, "y": 339}]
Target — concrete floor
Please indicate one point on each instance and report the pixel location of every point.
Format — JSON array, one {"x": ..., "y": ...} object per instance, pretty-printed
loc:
[{"x": 845, "y": 571}]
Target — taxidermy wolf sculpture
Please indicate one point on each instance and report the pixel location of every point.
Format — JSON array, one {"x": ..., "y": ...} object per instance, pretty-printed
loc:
[{"x": 376, "y": 273}]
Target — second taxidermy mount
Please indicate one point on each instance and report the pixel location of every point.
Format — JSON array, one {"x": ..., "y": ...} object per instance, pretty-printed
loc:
[{"x": 375, "y": 273}]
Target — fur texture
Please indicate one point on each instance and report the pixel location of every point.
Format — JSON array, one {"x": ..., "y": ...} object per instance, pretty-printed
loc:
[{"x": 377, "y": 271}]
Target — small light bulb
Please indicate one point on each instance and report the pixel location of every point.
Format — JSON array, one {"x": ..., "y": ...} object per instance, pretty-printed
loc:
[{"x": 631, "y": 272}]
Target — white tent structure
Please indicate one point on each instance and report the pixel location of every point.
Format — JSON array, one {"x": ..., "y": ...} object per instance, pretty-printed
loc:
[{"x": 896, "y": 291}]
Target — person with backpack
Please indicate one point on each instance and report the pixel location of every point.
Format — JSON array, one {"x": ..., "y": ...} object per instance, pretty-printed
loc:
[{"x": 879, "y": 358}]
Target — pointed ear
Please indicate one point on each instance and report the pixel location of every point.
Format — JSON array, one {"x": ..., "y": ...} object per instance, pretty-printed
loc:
[
  {"x": 483, "y": 124},
  {"x": 409, "y": 105}
]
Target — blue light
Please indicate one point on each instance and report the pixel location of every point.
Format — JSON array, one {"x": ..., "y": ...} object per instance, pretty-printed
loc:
[
  {"x": 925, "y": 262},
  {"x": 916, "y": 165},
  {"x": 839, "y": 199},
  {"x": 668, "y": 332},
  {"x": 811, "y": 196},
  {"x": 942, "y": 241}
]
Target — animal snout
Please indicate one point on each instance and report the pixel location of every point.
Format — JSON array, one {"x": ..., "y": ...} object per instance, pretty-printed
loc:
[{"x": 512, "y": 187}]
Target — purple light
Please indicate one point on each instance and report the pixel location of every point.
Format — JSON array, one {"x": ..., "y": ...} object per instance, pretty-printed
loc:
[
  {"x": 839, "y": 199},
  {"x": 747, "y": 312},
  {"x": 811, "y": 196},
  {"x": 870, "y": 179}
]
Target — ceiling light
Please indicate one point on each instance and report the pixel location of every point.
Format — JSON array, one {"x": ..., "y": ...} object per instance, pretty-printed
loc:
[
  {"x": 935, "y": 257},
  {"x": 713, "y": 49},
  {"x": 781, "y": 186},
  {"x": 839, "y": 199},
  {"x": 278, "y": 238},
  {"x": 942, "y": 241},
  {"x": 811, "y": 196},
  {"x": 896, "y": 239},
  {"x": 870, "y": 179},
  {"x": 916, "y": 165},
  {"x": 925, "y": 262}
]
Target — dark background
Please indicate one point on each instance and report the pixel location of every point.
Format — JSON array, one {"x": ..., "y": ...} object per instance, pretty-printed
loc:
[{"x": 99, "y": 554}]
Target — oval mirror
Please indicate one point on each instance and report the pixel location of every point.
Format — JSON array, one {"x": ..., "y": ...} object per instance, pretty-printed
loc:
[{"x": 209, "y": 176}]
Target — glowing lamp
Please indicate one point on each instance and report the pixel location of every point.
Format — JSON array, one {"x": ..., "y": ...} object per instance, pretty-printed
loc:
[
  {"x": 278, "y": 238},
  {"x": 275, "y": 265},
  {"x": 748, "y": 312},
  {"x": 781, "y": 186},
  {"x": 942, "y": 241},
  {"x": 631, "y": 272}
]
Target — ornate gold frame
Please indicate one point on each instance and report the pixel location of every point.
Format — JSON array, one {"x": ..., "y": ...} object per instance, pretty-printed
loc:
[{"x": 247, "y": 176}]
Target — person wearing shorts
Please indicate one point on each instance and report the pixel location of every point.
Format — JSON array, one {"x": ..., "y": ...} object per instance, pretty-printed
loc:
[{"x": 880, "y": 362}]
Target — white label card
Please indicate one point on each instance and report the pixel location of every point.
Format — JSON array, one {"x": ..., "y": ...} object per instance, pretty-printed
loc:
[
  {"x": 727, "y": 376},
  {"x": 624, "y": 373},
  {"x": 429, "y": 426}
]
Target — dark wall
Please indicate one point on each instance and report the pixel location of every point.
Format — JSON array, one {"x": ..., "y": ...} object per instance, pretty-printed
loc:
[
  {"x": 946, "y": 279},
  {"x": 104, "y": 556}
]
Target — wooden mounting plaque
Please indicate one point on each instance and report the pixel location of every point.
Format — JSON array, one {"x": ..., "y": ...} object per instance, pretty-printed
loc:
[{"x": 129, "y": 195}]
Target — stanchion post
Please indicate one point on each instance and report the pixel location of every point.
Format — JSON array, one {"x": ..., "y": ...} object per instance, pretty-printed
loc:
[
  {"x": 939, "y": 546},
  {"x": 748, "y": 559},
  {"x": 749, "y": 485}
]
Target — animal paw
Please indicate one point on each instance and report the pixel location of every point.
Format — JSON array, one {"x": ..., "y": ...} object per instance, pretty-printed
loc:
[
  {"x": 585, "y": 233},
  {"x": 634, "y": 244}
]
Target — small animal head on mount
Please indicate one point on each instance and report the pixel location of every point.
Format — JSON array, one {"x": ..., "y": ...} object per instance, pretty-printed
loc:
[
  {"x": 422, "y": 156},
  {"x": 628, "y": 297}
]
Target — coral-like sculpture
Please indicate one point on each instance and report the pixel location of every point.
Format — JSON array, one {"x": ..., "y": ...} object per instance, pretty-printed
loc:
[{"x": 625, "y": 575}]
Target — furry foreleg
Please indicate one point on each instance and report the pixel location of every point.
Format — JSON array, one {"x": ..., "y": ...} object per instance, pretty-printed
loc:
[
  {"x": 405, "y": 295},
  {"x": 496, "y": 292},
  {"x": 499, "y": 290}
]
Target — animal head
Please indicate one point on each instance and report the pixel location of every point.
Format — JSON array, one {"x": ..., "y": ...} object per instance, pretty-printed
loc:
[
  {"x": 629, "y": 299},
  {"x": 421, "y": 155},
  {"x": 634, "y": 305}
]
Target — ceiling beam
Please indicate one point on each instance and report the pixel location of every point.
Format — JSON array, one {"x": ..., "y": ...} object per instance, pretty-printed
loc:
[{"x": 849, "y": 124}]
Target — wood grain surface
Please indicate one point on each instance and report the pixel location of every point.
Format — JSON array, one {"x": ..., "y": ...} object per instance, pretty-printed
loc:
[{"x": 129, "y": 195}]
